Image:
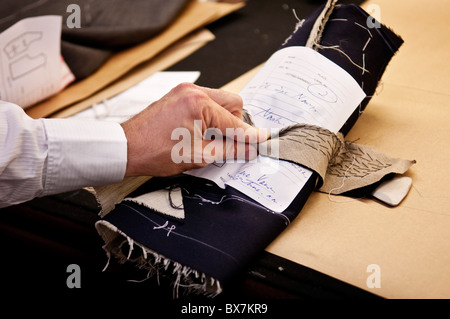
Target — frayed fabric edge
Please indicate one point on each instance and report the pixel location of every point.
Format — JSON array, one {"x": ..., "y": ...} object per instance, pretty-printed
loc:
[
  {"x": 167, "y": 202},
  {"x": 189, "y": 280}
]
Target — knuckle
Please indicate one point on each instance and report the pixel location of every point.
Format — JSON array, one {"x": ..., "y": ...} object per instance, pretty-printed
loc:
[
  {"x": 195, "y": 100},
  {"x": 185, "y": 86},
  {"x": 190, "y": 98}
]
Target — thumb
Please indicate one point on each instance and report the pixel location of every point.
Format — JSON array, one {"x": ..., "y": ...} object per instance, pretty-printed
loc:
[{"x": 234, "y": 128}]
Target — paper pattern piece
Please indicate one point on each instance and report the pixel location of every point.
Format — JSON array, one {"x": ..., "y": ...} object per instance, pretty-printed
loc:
[
  {"x": 30, "y": 61},
  {"x": 296, "y": 85}
]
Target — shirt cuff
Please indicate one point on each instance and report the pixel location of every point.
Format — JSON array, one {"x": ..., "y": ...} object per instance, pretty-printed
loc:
[{"x": 83, "y": 153}]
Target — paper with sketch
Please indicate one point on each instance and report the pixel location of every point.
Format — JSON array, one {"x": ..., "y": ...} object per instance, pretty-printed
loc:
[
  {"x": 30, "y": 61},
  {"x": 296, "y": 85}
]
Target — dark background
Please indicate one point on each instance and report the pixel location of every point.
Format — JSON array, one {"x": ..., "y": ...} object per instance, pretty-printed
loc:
[{"x": 247, "y": 38}]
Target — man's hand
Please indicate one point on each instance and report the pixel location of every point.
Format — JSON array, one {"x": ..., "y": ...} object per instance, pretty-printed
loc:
[{"x": 149, "y": 133}]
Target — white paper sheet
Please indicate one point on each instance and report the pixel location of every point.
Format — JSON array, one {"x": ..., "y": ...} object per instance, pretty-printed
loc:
[
  {"x": 31, "y": 67},
  {"x": 130, "y": 102},
  {"x": 296, "y": 85}
]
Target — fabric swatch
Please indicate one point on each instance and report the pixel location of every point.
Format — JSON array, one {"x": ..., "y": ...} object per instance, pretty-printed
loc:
[{"x": 342, "y": 166}]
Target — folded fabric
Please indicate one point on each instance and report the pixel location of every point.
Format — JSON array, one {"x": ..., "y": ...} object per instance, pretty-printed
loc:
[
  {"x": 201, "y": 235},
  {"x": 342, "y": 166},
  {"x": 105, "y": 26}
]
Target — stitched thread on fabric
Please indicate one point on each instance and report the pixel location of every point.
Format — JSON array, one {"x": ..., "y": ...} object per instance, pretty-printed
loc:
[{"x": 332, "y": 158}]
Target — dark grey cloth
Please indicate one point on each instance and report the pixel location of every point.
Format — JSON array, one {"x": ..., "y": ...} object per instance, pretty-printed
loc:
[{"x": 105, "y": 25}]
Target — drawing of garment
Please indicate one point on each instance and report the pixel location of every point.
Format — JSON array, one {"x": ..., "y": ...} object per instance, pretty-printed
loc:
[
  {"x": 104, "y": 26},
  {"x": 221, "y": 230}
]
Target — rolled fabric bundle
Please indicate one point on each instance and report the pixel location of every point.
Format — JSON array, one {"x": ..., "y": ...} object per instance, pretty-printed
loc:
[{"x": 201, "y": 235}]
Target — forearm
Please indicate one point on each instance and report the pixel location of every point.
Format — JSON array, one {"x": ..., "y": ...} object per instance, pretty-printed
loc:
[{"x": 48, "y": 156}]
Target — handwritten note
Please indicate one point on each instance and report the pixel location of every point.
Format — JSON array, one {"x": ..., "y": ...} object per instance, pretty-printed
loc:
[
  {"x": 299, "y": 85},
  {"x": 272, "y": 183},
  {"x": 296, "y": 85}
]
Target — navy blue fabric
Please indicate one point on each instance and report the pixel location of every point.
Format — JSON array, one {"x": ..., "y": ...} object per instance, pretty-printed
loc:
[
  {"x": 216, "y": 239},
  {"x": 352, "y": 37},
  {"x": 224, "y": 230}
]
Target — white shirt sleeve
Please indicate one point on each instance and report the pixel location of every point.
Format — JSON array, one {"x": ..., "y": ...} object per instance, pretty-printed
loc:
[{"x": 48, "y": 156}]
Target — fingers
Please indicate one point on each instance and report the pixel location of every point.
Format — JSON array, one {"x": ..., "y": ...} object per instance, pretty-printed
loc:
[
  {"x": 221, "y": 150},
  {"x": 222, "y": 116},
  {"x": 191, "y": 112},
  {"x": 222, "y": 111},
  {"x": 236, "y": 129},
  {"x": 229, "y": 101}
]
